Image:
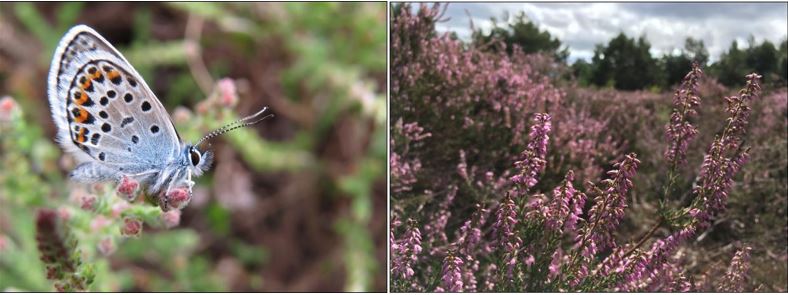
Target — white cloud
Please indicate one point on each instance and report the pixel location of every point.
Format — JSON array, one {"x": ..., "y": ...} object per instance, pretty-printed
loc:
[{"x": 666, "y": 25}]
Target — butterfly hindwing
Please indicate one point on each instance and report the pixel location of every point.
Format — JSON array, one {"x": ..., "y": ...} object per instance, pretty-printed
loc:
[{"x": 104, "y": 111}]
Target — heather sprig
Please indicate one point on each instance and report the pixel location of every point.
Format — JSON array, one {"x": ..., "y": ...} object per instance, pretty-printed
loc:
[
  {"x": 679, "y": 132},
  {"x": 735, "y": 279},
  {"x": 405, "y": 251},
  {"x": 532, "y": 159},
  {"x": 451, "y": 274}
]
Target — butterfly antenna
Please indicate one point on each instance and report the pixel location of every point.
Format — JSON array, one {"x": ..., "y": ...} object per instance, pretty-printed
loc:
[{"x": 243, "y": 122}]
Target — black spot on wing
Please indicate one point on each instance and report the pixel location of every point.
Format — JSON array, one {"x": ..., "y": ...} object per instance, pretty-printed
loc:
[{"x": 126, "y": 121}]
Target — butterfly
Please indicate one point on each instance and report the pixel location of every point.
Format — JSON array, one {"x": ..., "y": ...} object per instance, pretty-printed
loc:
[{"x": 115, "y": 127}]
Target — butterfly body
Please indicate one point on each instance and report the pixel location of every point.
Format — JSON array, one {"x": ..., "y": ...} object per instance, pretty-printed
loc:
[{"x": 110, "y": 120}]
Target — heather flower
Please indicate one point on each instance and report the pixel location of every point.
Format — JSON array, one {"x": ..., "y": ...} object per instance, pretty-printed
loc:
[
  {"x": 504, "y": 228},
  {"x": 171, "y": 218},
  {"x": 679, "y": 132},
  {"x": 407, "y": 251},
  {"x": 735, "y": 279},
  {"x": 131, "y": 227},
  {"x": 725, "y": 157},
  {"x": 228, "y": 95},
  {"x": 88, "y": 202},
  {"x": 176, "y": 198},
  {"x": 470, "y": 234},
  {"x": 59, "y": 253},
  {"x": 451, "y": 276},
  {"x": 7, "y": 108},
  {"x": 106, "y": 246},
  {"x": 128, "y": 188},
  {"x": 436, "y": 228},
  {"x": 506, "y": 220},
  {"x": 99, "y": 222},
  {"x": 608, "y": 209},
  {"x": 564, "y": 209},
  {"x": 532, "y": 159},
  {"x": 555, "y": 265},
  {"x": 470, "y": 267}
]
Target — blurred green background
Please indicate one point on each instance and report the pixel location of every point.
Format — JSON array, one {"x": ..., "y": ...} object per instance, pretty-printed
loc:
[{"x": 296, "y": 203}]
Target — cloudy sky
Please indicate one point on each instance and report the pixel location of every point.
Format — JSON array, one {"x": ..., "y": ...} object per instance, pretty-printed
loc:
[{"x": 583, "y": 25}]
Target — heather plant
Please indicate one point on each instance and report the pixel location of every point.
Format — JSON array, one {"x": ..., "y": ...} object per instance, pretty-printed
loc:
[
  {"x": 505, "y": 188},
  {"x": 296, "y": 203}
]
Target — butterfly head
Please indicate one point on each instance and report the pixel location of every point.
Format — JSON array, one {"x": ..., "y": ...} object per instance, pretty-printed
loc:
[{"x": 199, "y": 161}]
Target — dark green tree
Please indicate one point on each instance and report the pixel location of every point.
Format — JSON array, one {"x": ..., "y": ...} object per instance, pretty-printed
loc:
[
  {"x": 525, "y": 34},
  {"x": 625, "y": 63}
]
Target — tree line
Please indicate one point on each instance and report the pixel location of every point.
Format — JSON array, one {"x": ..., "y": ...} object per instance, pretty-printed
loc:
[{"x": 625, "y": 62}]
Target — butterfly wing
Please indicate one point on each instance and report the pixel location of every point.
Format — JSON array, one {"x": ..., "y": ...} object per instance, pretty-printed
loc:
[{"x": 104, "y": 111}]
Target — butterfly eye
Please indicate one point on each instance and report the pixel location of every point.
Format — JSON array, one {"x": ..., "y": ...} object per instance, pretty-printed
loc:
[{"x": 195, "y": 157}]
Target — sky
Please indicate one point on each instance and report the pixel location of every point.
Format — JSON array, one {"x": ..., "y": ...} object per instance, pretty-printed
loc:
[{"x": 581, "y": 26}]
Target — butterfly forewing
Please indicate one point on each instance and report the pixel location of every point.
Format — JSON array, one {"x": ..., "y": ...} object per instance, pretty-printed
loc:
[{"x": 103, "y": 109}]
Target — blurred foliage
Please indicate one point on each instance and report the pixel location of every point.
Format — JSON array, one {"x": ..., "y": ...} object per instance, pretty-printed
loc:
[{"x": 296, "y": 203}]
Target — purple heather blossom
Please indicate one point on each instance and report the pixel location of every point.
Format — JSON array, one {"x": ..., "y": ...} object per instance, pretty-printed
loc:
[
  {"x": 406, "y": 250},
  {"x": 436, "y": 228},
  {"x": 735, "y": 278},
  {"x": 508, "y": 241},
  {"x": 725, "y": 157},
  {"x": 555, "y": 264},
  {"x": 679, "y": 132},
  {"x": 564, "y": 209},
  {"x": 506, "y": 219},
  {"x": 469, "y": 235},
  {"x": 608, "y": 209},
  {"x": 451, "y": 276},
  {"x": 468, "y": 275},
  {"x": 532, "y": 159}
]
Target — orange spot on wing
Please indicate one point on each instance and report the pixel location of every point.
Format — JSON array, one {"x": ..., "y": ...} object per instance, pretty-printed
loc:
[
  {"x": 86, "y": 84},
  {"x": 83, "y": 116},
  {"x": 83, "y": 97},
  {"x": 81, "y": 135},
  {"x": 113, "y": 74}
]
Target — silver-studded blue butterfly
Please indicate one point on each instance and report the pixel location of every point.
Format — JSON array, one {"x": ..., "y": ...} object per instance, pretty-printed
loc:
[{"x": 113, "y": 124}]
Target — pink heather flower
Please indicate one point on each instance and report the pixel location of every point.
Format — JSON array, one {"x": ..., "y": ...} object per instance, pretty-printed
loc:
[
  {"x": 228, "y": 95},
  {"x": 64, "y": 213},
  {"x": 106, "y": 246},
  {"x": 88, "y": 202},
  {"x": 679, "y": 132},
  {"x": 735, "y": 279},
  {"x": 470, "y": 233},
  {"x": 564, "y": 209},
  {"x": 131, "y": 227},
  {"x": 118, "y": 208},
  {"x": 128, "y": 188},
  {"x": 436, "y": 228},
  {"x": 725, "y": 157},
  {"x": 608, "y": 209},
  {"x": 7, "y": 107},
  {"x": 407, "y": 251},
  {"x": 555, "y": 264},
  {"x": 451, "y": 278},
  {"x": 99, "y": 222},
  {"x": 3, "y": 243},
  {"x": 506, "y": 220},
  {"x": 529, "y": 260},
  {"x": 176, "y": 198},
  {"x": 508, "y": 241},
  {"x": 532, "y": 159},
  {"x": 468, "y": 277},
  {"x": 171, "y": 218}
]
